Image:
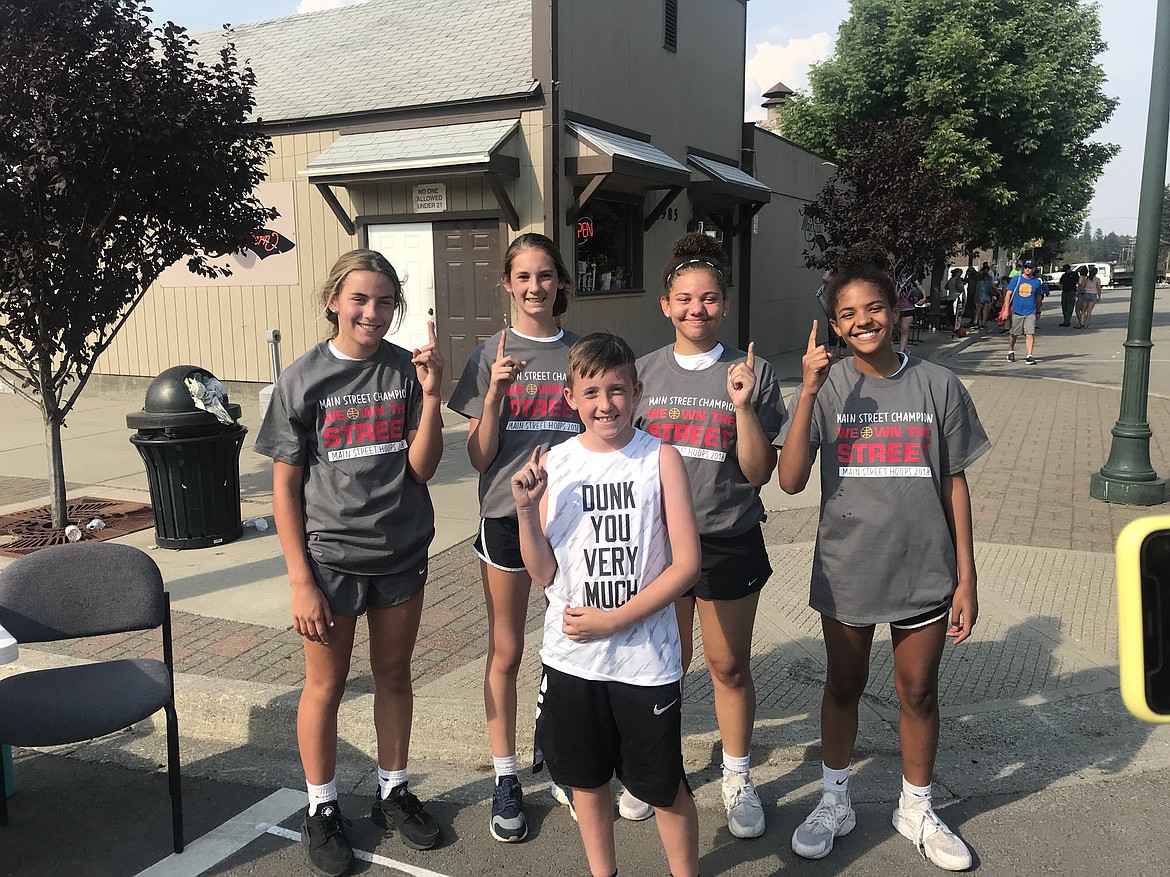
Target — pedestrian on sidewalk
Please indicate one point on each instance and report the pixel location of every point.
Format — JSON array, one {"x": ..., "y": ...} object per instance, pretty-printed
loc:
[
  {"x": 894, "y": 545},
  {"x": 910, "y": 295},
  {"x": 613, "y": 496},
  {"x": 1023, "y": 292},
  {"x": 512, "y": 391},
  {"x": 983, "y": 285},
  {"x": 1069, "y": 281},
  {"x": 724, "y": 433},
  {"x": 355, "y": 431},
  {"x": 1088, "y": 296}
]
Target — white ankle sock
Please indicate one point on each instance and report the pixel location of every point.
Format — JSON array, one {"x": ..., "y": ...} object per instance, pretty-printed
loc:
[
  {"x": 913, "y": 795},
  {"x": 504, "y": 767},
  {"x": 389, "y": 779},
  {"x": 835, "y": 780},
  {"x": 735, "y": 764},
  {"x": 321, "y": 794}
]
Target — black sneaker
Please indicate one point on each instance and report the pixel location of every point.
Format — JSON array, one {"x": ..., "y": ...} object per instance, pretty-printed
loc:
[
  {"x": 508, "y": 823},
  {"x": 327, "y": 849},
  {"x": 402, "y": 810}
]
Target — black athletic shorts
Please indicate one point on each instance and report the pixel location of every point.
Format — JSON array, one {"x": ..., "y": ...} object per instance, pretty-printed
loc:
[
  {"x": 498, "y": 544},
  {"x": 922, "y": 619},
  {"x": 587, "y": 731},
  {"x": 732, "y": 566},
  {"x": 349, "y": 594}
]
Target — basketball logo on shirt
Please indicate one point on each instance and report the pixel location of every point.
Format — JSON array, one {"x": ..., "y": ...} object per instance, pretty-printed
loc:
[
  {"x": 531, "y": 389},
  {"x": 674, "y": 414},
  {"x": 352, "y": 414},
  {"x": 895, "y": 446}
]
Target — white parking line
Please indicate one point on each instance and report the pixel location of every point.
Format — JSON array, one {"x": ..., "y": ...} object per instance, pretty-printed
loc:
[
  {"x": 239, "y": 831},
  {"x": 228, "y": 838},
  {"x": 373, "y": 858}
]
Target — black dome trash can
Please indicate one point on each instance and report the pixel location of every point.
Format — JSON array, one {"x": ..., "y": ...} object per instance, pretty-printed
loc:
[{"x": 192, "y": 463}]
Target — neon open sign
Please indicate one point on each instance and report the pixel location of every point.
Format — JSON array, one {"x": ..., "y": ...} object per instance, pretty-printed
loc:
[{"x": 584, "y": 230}]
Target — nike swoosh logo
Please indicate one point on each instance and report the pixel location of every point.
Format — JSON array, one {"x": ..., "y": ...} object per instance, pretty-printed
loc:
[
  {"x": 422, "y": 571},
  {"x": 658, "y": 711}
]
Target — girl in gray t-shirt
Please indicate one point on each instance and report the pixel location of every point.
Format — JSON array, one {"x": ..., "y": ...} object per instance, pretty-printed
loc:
[
  {"x": 512, "y": 390},
  {"x": 355, "y": 430},
  {"x": 721, "y": 408},
  {"x": 894, "y": 434}
]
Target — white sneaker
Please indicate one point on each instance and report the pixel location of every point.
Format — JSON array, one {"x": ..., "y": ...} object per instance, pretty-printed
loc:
[
  {"x": 921, "y": 825},
  {"x": 833, "y": 818},
  {"x": 564, "y": 795},
  {"x": 745, "y": 815},
  {"x": 633, "y": 809}
]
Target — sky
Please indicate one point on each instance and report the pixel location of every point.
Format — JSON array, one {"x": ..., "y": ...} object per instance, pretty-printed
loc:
[{"x": 785, "y": 37}]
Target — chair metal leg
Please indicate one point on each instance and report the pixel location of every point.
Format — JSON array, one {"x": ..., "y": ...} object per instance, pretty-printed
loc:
[
  {"x": 173, "y": 780},
  {"x": 3, "y": 798}
]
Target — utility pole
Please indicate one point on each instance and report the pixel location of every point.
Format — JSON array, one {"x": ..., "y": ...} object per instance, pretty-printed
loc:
[{"x": 1128, "y": 476}]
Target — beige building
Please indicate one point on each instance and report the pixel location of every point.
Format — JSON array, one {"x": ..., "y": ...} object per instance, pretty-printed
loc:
[{"x": 435, "y": 131}]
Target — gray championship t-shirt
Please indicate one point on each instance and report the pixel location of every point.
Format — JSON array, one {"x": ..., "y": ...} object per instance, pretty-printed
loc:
[
  {"x": 692, "y": 411},
  {"x": 533, "y": 413},
  {"x": 346, "y": 422},
  {"x": 884, "y": 551}
]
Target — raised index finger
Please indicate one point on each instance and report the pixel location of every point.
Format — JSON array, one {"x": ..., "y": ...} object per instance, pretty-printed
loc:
[
  {"x": 536, "y": 454},
  {"x": 431, "y": 331},
  {"x": 812, "y": 338},
  {"x": 751, "y": 355},
  {"x": 503, "y": 335}
]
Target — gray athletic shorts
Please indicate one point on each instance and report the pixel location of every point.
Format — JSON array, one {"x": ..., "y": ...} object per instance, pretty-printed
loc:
[
  {"x": 350, "y": 594},
  {"x": 1023, "y": 324}
]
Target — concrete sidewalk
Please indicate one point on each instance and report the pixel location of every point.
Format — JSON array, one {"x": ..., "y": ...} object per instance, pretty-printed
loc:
[{"x": 1042, "y": 660}]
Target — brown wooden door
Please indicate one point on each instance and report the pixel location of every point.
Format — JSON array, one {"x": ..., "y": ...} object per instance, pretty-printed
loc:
[{"x": 469, "y": 306}]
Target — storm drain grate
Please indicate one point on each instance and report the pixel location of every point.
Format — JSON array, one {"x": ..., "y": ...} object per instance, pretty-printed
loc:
[{"x": 30, "y": 530}]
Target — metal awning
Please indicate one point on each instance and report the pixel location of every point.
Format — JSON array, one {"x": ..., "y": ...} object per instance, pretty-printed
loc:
[
  {"x": 727, "y": 182},
  {"x": 440, "y": 151},
  {"x": 632, "y": 161}
]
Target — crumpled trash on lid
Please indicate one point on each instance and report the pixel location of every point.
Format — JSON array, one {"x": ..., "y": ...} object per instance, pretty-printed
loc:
[{"x": 209, "y": 395}]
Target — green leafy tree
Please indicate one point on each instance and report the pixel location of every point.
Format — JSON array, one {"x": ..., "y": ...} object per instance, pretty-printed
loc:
[
  {"x": 1011, "y": 91},
  {"x": 121, "y": 153},
  {"x": 1097, "y": 249},
  {"x": 1111, "y": 250}
]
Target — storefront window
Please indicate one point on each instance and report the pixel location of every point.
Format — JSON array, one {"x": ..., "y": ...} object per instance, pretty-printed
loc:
[{"x": 608, "y": 247}]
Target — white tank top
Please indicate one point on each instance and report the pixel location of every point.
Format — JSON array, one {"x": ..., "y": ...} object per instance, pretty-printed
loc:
[{"x": 607, "y": 532}]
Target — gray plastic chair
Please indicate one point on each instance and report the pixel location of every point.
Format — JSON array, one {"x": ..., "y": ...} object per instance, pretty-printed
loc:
[{"x": 81, "y": 590}]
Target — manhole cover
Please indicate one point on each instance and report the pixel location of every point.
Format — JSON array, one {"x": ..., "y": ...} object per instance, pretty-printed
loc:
[{"x": 29, "y": 530}]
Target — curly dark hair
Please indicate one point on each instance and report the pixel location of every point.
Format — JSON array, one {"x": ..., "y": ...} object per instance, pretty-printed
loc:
[
  {"x": 695, "y": 250},
  {"x": 859, "y": 272}
]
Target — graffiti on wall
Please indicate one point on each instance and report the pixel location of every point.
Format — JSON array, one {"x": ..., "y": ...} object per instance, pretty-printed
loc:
[{"x": 269, "y": 260}]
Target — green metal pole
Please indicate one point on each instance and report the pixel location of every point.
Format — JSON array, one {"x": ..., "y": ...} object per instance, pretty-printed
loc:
[{"x": 1128, "y": 477}]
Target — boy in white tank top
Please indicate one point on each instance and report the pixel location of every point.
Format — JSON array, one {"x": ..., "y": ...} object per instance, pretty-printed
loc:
[{"x": 607, "y": 527}]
